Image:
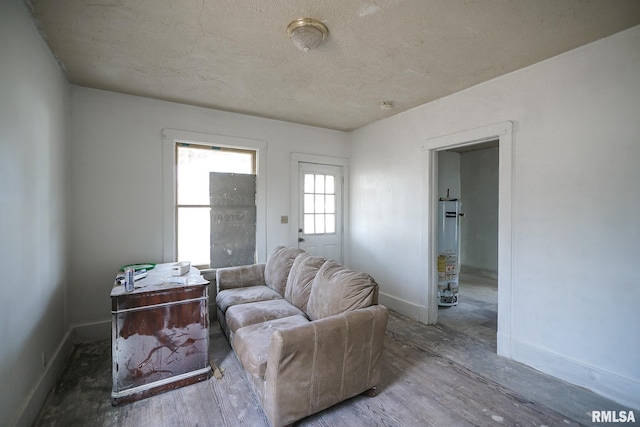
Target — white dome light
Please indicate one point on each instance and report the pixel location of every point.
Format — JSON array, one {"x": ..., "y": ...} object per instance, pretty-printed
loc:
[{"x": 307, "y": 33}]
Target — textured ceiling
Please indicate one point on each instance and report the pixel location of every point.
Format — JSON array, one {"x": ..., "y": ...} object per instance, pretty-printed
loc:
[{"x": 235, "y": 55}]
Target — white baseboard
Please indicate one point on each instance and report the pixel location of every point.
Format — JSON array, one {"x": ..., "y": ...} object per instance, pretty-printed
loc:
[
  {"x": 406, "y": 308},
  {"x": 94, "y": 331},
  {"x": 623, "y": 390},
  {"x": 504, "y": 345},
  {"x": 36, "y": 398},
  {"x": 86, "y": 332}
]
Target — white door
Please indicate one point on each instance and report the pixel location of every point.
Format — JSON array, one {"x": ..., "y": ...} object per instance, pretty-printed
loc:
[{"x": 320, "y": 210}]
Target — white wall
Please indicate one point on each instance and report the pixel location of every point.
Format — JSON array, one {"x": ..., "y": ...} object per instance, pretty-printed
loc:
[
  {"x": 116, "y": 193},
  {"x": 575, "y": 290},
  {"x": 449, "y": 175},
  {"x": 479, "y": 225},
  {"x": 34, "y": 107}
]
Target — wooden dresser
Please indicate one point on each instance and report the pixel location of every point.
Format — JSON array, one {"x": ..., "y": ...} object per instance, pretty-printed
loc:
[{"x": 160, "y": 334}]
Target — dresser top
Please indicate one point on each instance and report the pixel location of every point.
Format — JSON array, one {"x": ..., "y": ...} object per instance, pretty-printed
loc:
[{"x": 160, "y": 278}]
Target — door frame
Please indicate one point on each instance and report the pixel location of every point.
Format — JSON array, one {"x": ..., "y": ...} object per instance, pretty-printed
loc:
[
  {"x": 296, "y": 159},
  {"x": 503, "y": 132}
]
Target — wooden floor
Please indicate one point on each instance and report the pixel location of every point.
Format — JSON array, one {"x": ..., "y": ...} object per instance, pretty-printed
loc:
[{"x": 442, "y": 375}]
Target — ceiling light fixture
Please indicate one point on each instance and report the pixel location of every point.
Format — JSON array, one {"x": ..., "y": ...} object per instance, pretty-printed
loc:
[{"x": 307, "y": 33}]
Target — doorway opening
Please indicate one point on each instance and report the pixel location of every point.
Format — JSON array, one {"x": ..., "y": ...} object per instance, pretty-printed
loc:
[
  {"x": 431, "y": 150},
  {"x": 468, "y": 178}
]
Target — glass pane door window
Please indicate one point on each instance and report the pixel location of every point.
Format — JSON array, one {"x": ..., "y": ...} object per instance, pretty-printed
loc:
[{"x": 319, "y": 204}]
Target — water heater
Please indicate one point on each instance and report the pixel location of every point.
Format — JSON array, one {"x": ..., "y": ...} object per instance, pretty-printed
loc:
[{"x": 448, "y": 252}]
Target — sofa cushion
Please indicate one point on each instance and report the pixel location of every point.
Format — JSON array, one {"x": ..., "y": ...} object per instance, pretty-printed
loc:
[
  {"x": 256, "y": 312},
  {"x": 336, "y": 289},
  {"x": 278, "y": 266},
  {"x": 233, "y": 296},
  {"x": 251, "y": 343},
  {"x": 304, "y": 269},
  {"x": 240, "y": 276}
]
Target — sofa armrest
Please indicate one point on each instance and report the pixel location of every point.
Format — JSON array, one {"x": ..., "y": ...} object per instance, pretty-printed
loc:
[
  {"x": 240, "y": 276},
  {"x": 318, "y": 364}
]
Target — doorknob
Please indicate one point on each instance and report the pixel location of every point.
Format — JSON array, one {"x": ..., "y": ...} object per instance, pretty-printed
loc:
[{"x": 300, "y": 239}]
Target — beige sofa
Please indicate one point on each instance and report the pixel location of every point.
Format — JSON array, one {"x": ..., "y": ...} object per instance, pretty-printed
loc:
[{"x": 308, "y": 332}]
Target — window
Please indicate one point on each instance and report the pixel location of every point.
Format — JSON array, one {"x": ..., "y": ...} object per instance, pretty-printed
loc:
[
  {"x": 319, "y": 204},
  {"x": 193, "y": 164}
]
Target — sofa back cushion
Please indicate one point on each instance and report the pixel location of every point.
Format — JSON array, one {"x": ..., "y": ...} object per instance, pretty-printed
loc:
[
  {"x": 336, "y": 289},
  {"x": 303, "y": 271},
  {"x": 276, "y": 271}
]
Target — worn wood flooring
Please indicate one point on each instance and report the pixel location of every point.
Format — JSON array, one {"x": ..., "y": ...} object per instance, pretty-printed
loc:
[{"x": 442, "y": 375}]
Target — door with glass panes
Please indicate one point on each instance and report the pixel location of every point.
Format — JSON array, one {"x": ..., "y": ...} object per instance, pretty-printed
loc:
[{"x": 320, "y": 211}]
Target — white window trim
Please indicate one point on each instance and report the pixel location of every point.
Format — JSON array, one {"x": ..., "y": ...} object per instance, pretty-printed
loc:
[{"x": 169, "y": 139}]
